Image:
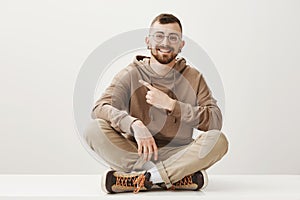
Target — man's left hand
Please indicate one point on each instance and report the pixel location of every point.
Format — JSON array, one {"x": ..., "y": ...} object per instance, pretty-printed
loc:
[{"x": 158, "y": 98}]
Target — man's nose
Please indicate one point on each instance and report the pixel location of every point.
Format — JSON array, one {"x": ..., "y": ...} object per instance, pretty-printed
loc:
[{"x": 165, "y": 40}]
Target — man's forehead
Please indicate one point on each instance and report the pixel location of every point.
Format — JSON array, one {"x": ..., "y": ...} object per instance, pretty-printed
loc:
[{"x": 165, "y": 28}]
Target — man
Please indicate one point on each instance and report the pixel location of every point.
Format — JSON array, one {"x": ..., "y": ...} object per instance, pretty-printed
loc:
[{"x": 145, "y": 119}]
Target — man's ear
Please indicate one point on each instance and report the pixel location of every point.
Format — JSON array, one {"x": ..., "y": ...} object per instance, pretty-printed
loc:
[
  {"x": 182, "y": 44},
  {"x": 147, "y": 41}
]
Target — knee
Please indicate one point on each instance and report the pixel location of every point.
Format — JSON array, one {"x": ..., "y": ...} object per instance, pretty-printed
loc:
[
  {"x": 222, "y": 143},
  {"x": 93, "y": 131},
  {"x": 213, "y": 141}
]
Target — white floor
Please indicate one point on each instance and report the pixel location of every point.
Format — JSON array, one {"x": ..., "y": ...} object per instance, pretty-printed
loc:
[{"x": 77, "y": 187}]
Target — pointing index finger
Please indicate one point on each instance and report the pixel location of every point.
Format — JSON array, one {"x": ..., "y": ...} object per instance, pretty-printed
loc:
[{"x": 146, "y": 84}]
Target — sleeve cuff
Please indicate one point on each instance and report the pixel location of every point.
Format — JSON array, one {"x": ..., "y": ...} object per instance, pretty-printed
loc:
[
  {"x": 125, "y": 124},
  {"x": 176, "y": 111}
]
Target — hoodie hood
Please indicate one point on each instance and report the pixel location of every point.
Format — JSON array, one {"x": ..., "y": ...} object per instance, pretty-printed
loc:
[
  {"x": 168, "y": 80},
  {"x": 144, "y": 63}
]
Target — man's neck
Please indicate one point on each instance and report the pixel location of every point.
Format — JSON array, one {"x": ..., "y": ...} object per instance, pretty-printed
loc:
[{"x": 161, "y": 69}]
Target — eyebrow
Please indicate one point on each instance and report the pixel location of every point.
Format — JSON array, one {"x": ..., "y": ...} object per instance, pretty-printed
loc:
[
  {"x": 164, "y": 33},
  {"x": 159, "y": 32}
]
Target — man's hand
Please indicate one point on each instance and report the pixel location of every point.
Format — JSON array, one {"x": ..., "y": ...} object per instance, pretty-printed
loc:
[
  {"x": 157, "y": 98},
  {"x": 145, "y": 141}
]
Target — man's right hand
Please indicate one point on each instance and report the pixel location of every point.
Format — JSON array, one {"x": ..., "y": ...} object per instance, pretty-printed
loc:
[{"x": 145, "y": 141}]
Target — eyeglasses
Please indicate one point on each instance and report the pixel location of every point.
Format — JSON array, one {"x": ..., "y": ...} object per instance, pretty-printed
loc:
[{"x": 160, "y": 36}]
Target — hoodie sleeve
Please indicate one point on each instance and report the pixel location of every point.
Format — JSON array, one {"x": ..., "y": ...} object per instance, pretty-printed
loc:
[
  {"x": 206, "y": 115},
  {"x": 114, "y": 103}
]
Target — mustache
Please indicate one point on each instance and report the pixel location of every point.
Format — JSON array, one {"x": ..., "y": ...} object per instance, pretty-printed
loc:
[{"x": 164, "y": 47}]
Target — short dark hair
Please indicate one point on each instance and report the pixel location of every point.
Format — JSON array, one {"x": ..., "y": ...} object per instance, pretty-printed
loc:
[{"x": 165, "y": 18}]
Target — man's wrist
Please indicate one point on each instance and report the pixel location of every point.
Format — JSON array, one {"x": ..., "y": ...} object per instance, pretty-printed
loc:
[
  {"x": 131, "y": 126},
  {"x": 171, "y": 105}
]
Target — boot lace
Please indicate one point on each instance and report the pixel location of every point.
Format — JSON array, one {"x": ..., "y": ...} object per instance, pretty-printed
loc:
[
  {"x": 187, "y": 180},
  {"x": 131, "y": 181}
]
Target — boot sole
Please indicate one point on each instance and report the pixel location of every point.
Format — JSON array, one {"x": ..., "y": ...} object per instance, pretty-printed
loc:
[
  {"x": 103, "y": 181},
  {"x": 205, "y": 179}
]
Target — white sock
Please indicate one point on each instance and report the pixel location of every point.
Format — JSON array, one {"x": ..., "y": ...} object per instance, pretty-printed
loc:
[{"x": 155, "y": 175}]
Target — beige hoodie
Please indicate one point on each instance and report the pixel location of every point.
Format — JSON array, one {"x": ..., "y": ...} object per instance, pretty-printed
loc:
[{"x": 195, "y": 107}]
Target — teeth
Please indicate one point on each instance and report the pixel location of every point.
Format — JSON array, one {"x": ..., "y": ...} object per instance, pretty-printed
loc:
[{"x": 165, "y": 50}]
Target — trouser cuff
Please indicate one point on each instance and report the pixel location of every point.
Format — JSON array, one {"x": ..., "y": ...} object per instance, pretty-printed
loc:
[{"x": 163, "y": 173}]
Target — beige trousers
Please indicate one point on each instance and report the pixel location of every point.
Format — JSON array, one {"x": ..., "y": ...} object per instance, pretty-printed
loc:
[{"x": 173, "y": 163}]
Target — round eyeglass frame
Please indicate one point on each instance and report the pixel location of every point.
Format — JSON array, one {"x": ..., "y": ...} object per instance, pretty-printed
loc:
[{"x": 178, "y": 39}]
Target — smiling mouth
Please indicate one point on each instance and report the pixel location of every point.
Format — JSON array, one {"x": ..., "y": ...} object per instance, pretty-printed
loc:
[{"x": 164, "y": 50}]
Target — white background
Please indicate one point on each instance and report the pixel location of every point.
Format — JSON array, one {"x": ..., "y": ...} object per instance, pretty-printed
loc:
[{"x": 254, "y": 45}]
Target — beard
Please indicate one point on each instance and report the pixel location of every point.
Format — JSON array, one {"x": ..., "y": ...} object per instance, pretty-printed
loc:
[{"x": 163, "y": 58}]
